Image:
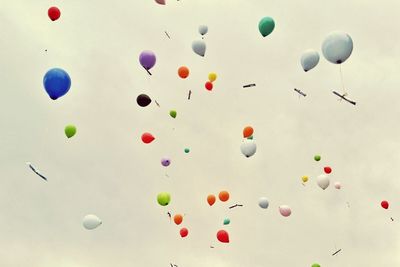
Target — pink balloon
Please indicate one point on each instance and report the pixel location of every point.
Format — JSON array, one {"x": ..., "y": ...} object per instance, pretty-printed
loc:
[
  {"x": 338, "y": 185},
  {"x": 285, "y": 210},
  {"x": 161, "y": 2}
]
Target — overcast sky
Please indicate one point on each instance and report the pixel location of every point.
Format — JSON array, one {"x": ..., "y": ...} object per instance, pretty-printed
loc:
[{"x": 106, "y": 169}]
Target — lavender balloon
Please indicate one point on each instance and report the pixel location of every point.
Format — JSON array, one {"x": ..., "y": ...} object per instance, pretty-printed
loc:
[
  {"x": 165, "y": 162},
  {"x": 147, "y": 59}
]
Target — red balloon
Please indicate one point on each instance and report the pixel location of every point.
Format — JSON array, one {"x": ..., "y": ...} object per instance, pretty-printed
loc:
[
  {"x": 209, "y": 86},
  {"x": 147, "y": 138},
  {"x": 184, "y": 232},
  {"x": 327, "y": 170},
  {"x": 385, "y": 204},
  {"x": 54, "y": 13},
  {"x": 223, "y": 236}
]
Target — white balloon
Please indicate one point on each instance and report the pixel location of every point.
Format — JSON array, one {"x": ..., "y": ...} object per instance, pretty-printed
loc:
[
  {"x": 323, "y": 181},
  {"x": 263, "y": 202},
  {"x": 309, "y": 59},
  {"x": 285, "y": 210},
  {"x": 199, "y": 47},
  {"x": 91, "y": 222},
  {"x": 338, "y": 185},
  {"x": 337, "y": 47},
  {"x": 248, "y": 148},
  {"x": 203, "y": 29}
]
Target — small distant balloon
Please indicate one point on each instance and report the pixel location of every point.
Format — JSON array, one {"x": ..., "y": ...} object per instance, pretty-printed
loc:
[
  {"x": 199, "y": 47},
  {"x": 211, "y": 199},
  {"x": 165, "y": 162},
  {"x": 183, "y": 72},
  {"x": 209, "y": 86},
  {"x": 178, "y": 219},
  {"x": 317, "y": 157},
  {"x": 143, "y": 100},
  {"x": 385, "y": 204},
  {"x": 338, "y": 185},
  {"x": 57, "y": 83},
  {"x": 147, "y": 138},
  {"x": 70, "y": 130},
  {"x": 304, "y": 178},
  {"x": 184, "y": 232},
  {"x": 203, "y": 29},
  {"x": 263, "y": 202},
  {"x": 187, "y": 150},
  {"x": 212, "y": 76},
  {"x": 173, "y": 113},
  {"x": 248, "y": 131},
  {"x": 315, "y": 265},
  {"x": 223, "y": 196},
  {"x": 163, "y": 198},
  {"x": 54, "y": 13},
  {"x": 323, "y": 181},
  {"x": 248, "y": 148},
  {"x": 327, "y": 170},
  {"x": 161, "y": 2},
  {"x": 147, "y": 59},
  {"x": 285, "y": 210},
  {"x": 223, "y": 236},
  {"x": 266, "y": 26},
  {"x": 91, "y": 222},
  {"x": 227, "y": 221},
  {"x": 309, "y": 59}
]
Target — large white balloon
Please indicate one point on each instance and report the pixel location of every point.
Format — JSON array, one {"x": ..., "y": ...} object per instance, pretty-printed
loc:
[
  {"x": 309, "y": 59},
  {"x": 199, "y": 47},
  {"x": 203, "y": 29},
  {"x": 323, "y": 181},
  {"x": 337, "y": 47},
  {"x": 285, "y": 210},
  {"x": 248, "y": 148},
  {"x": 91, "y": 222},
  {"x": 263, "y": 202}
]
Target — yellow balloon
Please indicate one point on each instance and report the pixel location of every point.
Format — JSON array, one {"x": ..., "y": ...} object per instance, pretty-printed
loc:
[
  {"x": 212, "y": 76},
  {"x": 304, "y": 178}
]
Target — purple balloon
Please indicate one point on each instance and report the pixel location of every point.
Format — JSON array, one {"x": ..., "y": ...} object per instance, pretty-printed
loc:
[
  {"x": 165, "y": 162},
  {"x": 147, "y": 59}
]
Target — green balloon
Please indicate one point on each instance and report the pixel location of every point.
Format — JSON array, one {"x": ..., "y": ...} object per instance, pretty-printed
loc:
[
  {"x": 317, "y": 157},
  {"x": 315, "y": 265},
  {"x": 187, "y": 150},
  {"x": 266, "y": 26},
  {"x": 70, "y": 130},
  {"x": 227, "y": 221},
  {"x": 163, "y": 198},
  {"x": 250, "y": 138},
  {"x": 172, "y": 113}
]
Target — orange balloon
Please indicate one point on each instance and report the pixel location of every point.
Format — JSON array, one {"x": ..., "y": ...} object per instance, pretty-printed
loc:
[
  {"x": 178, "y": 219},
  {"x": 183, "y": 72},
  {"x": 211, "y": 199},
  {"x": 248, "y": 131},
  {"x": 223, "y": 196}
]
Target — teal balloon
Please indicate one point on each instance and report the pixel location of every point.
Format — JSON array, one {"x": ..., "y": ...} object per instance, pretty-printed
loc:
[
  {"x": 250, "y": 138},
  {"x": 187, "y": 150},
  {"x": 266, "y": 26},
  {"x": 227, "y": 221}
]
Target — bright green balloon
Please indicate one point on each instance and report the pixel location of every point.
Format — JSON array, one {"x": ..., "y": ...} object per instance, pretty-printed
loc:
[
  {"x": 70, "y": 130},
  {"x": 317, "y": 157},
  {"x": 187, "y": 150},
  {"x": 172, "y": 113},
  {"x": 266, "y": 26},
  {"x": 315, "y": 265},
  {"x": 163, "y": 198},
  {"x": 227, "y": 221}
]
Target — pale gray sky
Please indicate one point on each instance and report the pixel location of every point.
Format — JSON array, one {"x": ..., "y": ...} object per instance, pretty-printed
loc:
[{"x": 106, "y": 169}]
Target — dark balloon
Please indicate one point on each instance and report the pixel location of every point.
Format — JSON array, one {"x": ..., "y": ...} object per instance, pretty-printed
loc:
[{"x": 143, "y": 100}]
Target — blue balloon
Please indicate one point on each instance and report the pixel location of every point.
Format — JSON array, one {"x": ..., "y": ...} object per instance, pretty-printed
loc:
[{"x": 57, "y": 83}]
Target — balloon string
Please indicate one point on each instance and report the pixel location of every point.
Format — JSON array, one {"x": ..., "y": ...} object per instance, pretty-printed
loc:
[{"x": 341, "y": 79}]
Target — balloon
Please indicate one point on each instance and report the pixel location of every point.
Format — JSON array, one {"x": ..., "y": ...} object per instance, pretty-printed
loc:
[
  {"x": 172, "y": 113},
  {"x": 187, "y": 150},
  {"x": 143, "y": 100},
  {"x": 327, "y": 170},
  {"x": 54, "y": 13},
  {"x": 147, "y": 59},
  {"x": 248, "y": 148},
  {"x": 211, "y": 199},
  {"x": 309, "y": 59},
  {"x": 250, "y": 138},
  {"x": 203, "y": 29},
  {"x": 323, "y": 181},
  {"x": 223, "y": 236},
  {"x": 338, "y": 185},
  {"x": 183, "y": 72},
  {"x": 304, "y": 178},
  {"x": 263, "y": 202},
  {"x": 91, "y": 222},
  {"x": 147, "y": 138},
  {"x": 163, "y": 198},
  {"x": 248, "y": 131},
  {"x": 317, "y": 157},
  {"x": 227, "y": 221},
  {"x": 223, "y": 196},
  {"x": 70, "y": 130},
  {"x": 385, "y": 204},
  {"x": 315, "y": 265},
  {"x": 337, "y": 47},
  {"x": 165, "y": 162},
  {"x": 161, "y": 2},
  {"x": 184, "y": 232},
  {"x": 285, "y": 210},
  {"x": 212, "y": 76},
  {"x": 57, "y": 83},
  {"x": 266, "y": 26},
  {"x": 178, "y": 219},
  {"x": 209, "y": 86},
  {"x": 199, "y": 47}
]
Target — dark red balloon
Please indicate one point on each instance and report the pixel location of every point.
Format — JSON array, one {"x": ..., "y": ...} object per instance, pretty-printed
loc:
[
  {"x": 147, "y": 138},
  {"x": 209, "y": 86},
  {"x": 385, "y": 204},
  {"x": 327, "y": 170},
  {"x": 223, "y": 236},
  {"x": 54, "y": 13},
  {"x": 184, "y": 232}
]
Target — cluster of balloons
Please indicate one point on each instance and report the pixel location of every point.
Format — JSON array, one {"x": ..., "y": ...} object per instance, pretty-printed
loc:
[
  {"x": 70, "y": 130},
  {"x": 147, "y": 138},
  {"x": 91, "y": 222},
  {"x": 211, "y": 78},
  {"x": 248, "y": 147},
  {"x": 199, "y": 46},
  {"x": 56, "y": 83},
  {"x": 178, "y": 218},
  {"x": 223, "y": 196}
]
